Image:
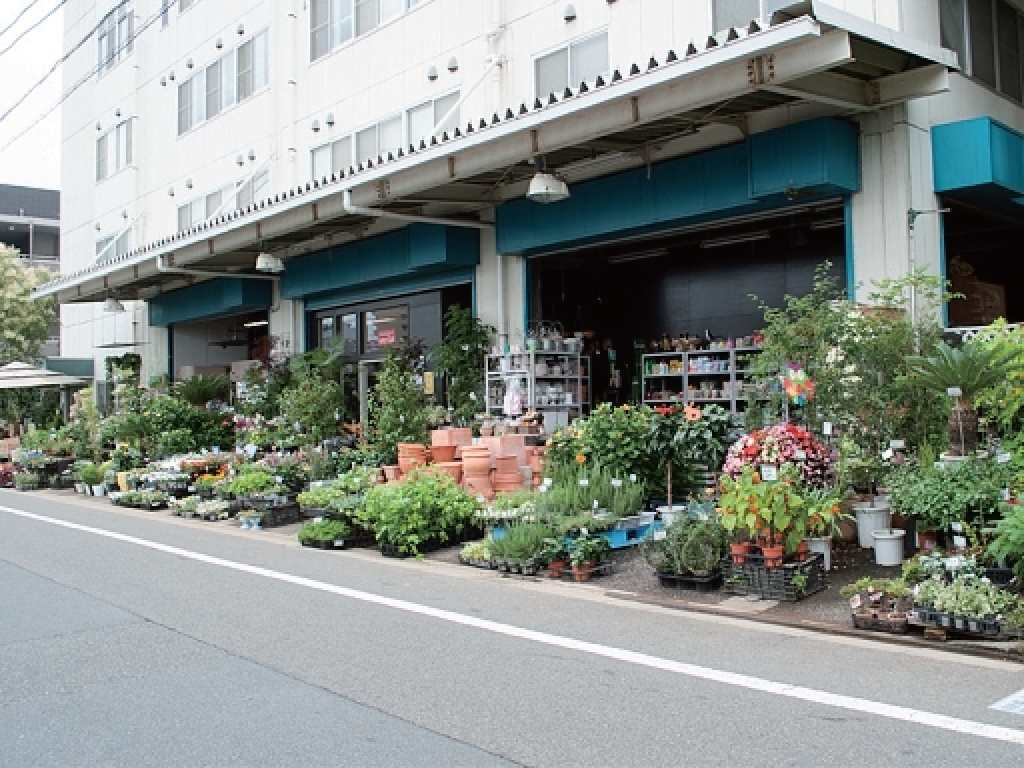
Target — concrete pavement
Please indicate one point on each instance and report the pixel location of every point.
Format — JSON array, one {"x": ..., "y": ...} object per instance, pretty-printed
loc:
[{"x": 467, "y": 688}]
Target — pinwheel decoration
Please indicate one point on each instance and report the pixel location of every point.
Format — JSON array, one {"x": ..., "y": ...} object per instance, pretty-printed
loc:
[{"x": 798, "y": 385}]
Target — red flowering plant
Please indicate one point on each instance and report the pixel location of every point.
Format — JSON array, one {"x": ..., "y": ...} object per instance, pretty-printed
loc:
[{"x": 783, "y": 445}]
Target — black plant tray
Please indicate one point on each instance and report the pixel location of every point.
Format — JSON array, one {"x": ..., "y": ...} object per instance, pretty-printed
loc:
[
  {"x": 487, "y": 565},
  {"x": 392, "y": 550},
  {"x": 527, "y": 568},
  {"x": 961, "y": 624},
  {"x": 1001, "y": 577},
  {"x": 332, "y": 544},
  {"x": 690, "y": 582},
  {"x": 753, "y": 578}
]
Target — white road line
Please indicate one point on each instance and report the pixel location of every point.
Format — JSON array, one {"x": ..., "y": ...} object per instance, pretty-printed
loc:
[{"x": 866, "y": 706}]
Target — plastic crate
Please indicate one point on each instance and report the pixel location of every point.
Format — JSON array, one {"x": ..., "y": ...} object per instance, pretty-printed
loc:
[
  {"x": 753, "y": 578},
  {"x": 881, "y": 622},
  {"x": 630, "y": 537},
  {"x": 690, "y": 582}
]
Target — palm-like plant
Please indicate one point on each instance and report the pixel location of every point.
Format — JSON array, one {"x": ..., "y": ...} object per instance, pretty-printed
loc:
[
  {"x": 199, "y": 390},
  {"x": 970, "y": 368}
]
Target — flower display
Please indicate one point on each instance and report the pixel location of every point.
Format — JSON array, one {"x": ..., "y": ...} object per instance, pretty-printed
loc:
[
  {"x": 783, "y": 445},
  {"x": 798, "y": 385}
]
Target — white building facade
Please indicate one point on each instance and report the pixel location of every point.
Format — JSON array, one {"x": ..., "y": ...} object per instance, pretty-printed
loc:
[{"x": 375, "y": 157}]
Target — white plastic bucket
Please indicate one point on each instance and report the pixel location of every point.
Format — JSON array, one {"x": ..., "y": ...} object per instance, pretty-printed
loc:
[
  {"x": 869, "y": 520},
  {"x": 822, "y": 546},
  {"x": 889, "y": 546}
]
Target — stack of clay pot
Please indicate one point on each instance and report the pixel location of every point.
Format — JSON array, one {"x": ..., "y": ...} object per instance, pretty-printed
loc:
[
  {"x": 507, "y": 477},
  {"x": 444, "y": 460},
  {"x": 410, "y": 456},
  {"x": 535, "y": 455},
  {"x": 476, "y": 465}
]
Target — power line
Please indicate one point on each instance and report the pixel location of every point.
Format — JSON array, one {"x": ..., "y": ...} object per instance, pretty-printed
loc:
[
  {"x": 54, "y": 68},
  {"x": 149, "y": 22},
  {"x": 20, "y": 37},
  {"x": 17, "y": 18}
]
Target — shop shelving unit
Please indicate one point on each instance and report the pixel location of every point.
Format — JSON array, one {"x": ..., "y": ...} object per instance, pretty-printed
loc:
[
  {"x": 698, "y": 378},
  {"x": 533, "y": 371}
]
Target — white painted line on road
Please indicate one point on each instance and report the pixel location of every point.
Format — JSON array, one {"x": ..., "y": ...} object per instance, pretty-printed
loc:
[
  {"x": 1013, "y": 703},
  {"x": 866, "y": 706}
]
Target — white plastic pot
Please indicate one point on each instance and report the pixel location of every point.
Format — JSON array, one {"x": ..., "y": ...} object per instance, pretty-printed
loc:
[
  {"x": 889, "y": 546},
  {"x": 870, "y": 519},
  {"x": 99, "y": 490},
  {"x": 822, "y": 546},
  {"x": 669, "y": 514}
]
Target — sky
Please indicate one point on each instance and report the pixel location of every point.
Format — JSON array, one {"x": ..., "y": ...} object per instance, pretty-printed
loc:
[{"x": 33, "y": 160}]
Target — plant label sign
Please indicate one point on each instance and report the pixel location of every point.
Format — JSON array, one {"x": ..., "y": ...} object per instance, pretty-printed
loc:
[
  {"x": 826, "y": 428},
  {"x": 1004, "y": 458},
  {"x": 960, "y": 542},
  {"x": 616, "y": 482},
  {"x": 957, "y": 527},
  {"x": 897, "y": 445},
  {"x": 800, "y": 455},
  {"x": 660, "y": 535},
  {"x": 584, "y": 482},
  {"x": 769, "y": 473}
]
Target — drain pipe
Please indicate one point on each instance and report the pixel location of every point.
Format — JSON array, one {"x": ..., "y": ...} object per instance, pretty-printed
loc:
[
  {"x": 164, "y": 269},
  {"x": 377, "y": 213}
]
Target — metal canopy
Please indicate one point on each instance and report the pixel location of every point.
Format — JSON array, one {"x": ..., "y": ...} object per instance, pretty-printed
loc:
[
  {"x": 689, "y": 101},
  {"x": 23, "y": 376}
]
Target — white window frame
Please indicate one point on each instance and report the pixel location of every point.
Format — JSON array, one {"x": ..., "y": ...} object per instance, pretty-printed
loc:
[
  {"x": 414, "y": 140},
  {"x": 116, "y": 148},
  {"x": 967, "y": 65},
  {"x": 568, "y": 47},
  {"x": 762, "y": 12},
  {"x": 122, "y": 246},
  {"x": 335, "y": 42},
  {"x": 114, "y": 37},
  {"x": 198, "y": 108}
]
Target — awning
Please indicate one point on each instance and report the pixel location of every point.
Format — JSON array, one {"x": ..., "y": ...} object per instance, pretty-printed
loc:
[
  {"x": 23, "y": 376},
  {"x": 220, "y": 297},
  {"x": 669, "y": 106},
  {"x": 980, "y": 162}
]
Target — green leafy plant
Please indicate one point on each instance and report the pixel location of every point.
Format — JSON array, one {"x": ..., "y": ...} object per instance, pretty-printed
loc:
[
  {"x": 397, "y": 410},
  {"x": 461, "y": 357},
  {"x": 325, "y": 530},
  {"x": 25, "y": 479},
  {"x": 91, "y": 474},
  {"x": 199, "y": 390},
  {"x": 588, "y": 550},
  {"x": 1008, "y": 544},
  {"x": 690, "y": 546},
  {"x": 971, "y": 368},
  {"x": 940, "y": 496},
  {"x": 424, "y": 509},
  {"x": 313, "y": 408},
  {"x": 250, "y": 483},
  {"x": 522, "y": 542},
  {"x": 747, "y": 503}
]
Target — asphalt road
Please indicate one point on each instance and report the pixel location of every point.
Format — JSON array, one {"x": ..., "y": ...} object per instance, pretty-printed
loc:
[{"x": 132, "y": 638}]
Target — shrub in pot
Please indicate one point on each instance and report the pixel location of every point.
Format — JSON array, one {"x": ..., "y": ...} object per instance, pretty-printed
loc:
[
  {"x": 25, "y": 481},
  {"x": 585, "y": 553},
  {"x": 324, "y": 531}
]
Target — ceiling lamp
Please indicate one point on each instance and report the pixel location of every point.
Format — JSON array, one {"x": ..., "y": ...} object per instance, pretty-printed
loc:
[
  {"x": 266, "y": 262},
  {"x": 546, "y": 187},
  {"x": 112, "y": 305}
]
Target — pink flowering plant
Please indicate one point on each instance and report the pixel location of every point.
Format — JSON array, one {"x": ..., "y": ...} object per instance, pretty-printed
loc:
[{"x": 783, "y": 445}]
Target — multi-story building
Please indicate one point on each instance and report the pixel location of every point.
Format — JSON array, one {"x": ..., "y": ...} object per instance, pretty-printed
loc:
[
  {"x": 30, "y": 222},
  {"x": 282, "y": 173}
]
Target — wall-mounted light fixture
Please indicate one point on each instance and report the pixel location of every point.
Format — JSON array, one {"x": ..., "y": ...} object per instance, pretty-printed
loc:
[
  {"x": 117, "y": 112},
  {"x": 330, "y": 120},
  {"x": 170, "y": 75},
  {"x": 431, "y": 73},
  {"x": 240, "y": 30},
  {"x": 170, "y": 191},
  {"x": 188, "y": 183},
  {"x": 569, "y": 14},
  {"x": 189, "y": 64},
  {"x": 315, "y": 126},
  {"x": 252, "y": 155},
  {"x": 240, "y": 160},
  {"x": 219, "y": 44},
  {"x": 453, "y": 64}
]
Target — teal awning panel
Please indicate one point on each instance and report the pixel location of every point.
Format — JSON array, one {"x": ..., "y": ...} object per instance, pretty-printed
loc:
[
  {"x": 82, "y": 367},
  {"x": 215, "y": 298},
  {"x": 419, "y": 251},
  {"x": 980, "y": 162},
  {"x": 795, "y": 164}
]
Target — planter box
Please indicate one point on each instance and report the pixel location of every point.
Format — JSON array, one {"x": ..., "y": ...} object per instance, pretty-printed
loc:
[
  {"x": 895, "y": 624},
  {"x": 753, "y": 578},
  {"x": 629, "y": 537},
  {"x": 689, "y": 582},
  {"x": 487, "y": 565},
  {"x": 976, "y": 627},
  {"x": 999, "y": 576},
  {"x": 334, "y": 544}
]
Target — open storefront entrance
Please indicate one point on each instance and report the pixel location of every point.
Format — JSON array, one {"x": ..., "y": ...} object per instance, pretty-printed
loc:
[{"x": 636, "y": 296}]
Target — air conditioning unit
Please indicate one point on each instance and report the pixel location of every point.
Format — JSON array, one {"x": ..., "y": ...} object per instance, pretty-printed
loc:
[{"x": 266, "y": 262}]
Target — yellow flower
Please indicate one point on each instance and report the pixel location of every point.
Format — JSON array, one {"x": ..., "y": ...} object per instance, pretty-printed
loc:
[{"x": 580, "y": 458}]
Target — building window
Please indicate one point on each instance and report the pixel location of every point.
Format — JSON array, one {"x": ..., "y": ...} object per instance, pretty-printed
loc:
[
  {"x": 184, "y": 5},
  {"x": 114, "y": 150},
  {"x": 236, "y": 76},
  {"x": 986, "y": 36},
  {"x": 331, "y": 158},
  {"x": 249, "y": 191},
  {"x": 114, "y": 37},
  {"x": 238, "y": 195},
  {"x": 334, "y": 22},
  {"x": 114, "y": 245},
  {"x": 580, "y": 62},
  {"x": 385, "y": 328},
  {"x": 422, "y": 119},
  {"x": 726, "y": 14}
]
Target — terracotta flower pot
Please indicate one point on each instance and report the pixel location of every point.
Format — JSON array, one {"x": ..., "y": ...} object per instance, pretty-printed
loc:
[
  {"x": 507, "y": 464},
  {"x": 451, "y": 468},
  {"x": 556, "y": 568},
  {"x": 443, "y": 454},
  {"x": 582, "y": 572},
  {"x": 392, "y": 473},
  {"x": 476, "y": 467},
  {"x": 773, "y": 556},
  {"x": 802, "y": 549},
  {"x": 739, "y": 552},
  {"x": 927, "y": 540}
]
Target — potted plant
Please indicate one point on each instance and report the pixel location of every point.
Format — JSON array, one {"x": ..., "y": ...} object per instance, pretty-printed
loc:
[
  {"x": 26, "y": 480},
  {"x": 585, "y": 554},
  {"x": 556, "y": 554},
  {"x": 767, "y": 510},
  {"x": 824, "y": 516},
  {"x": 92, "y": 475},
  {"x": 327, "y": 534},
  {"x": 970, "y": 369},
  {"x": 1008, "y": 544}
]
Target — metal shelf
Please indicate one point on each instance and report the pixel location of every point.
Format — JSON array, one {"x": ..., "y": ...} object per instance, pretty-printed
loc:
[{"x": 731, "y": 379}]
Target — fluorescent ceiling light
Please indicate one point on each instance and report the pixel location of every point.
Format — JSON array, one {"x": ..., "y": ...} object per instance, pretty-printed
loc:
[
  {"x": 256, "y": 324},
  {"x": 113, "y": 305},
  {"x": 736, "y": 240},
  {"x": 627, "y": 257},
  {"x": 828, "y": 224}
]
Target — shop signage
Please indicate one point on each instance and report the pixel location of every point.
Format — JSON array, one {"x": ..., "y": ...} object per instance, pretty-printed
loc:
[{"x": 386, "y": 337}]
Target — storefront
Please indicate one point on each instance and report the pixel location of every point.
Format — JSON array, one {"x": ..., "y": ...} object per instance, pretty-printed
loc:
[
  {"x": 214, "y": 327},
  {"x": 638, "y": 260},
  {"x": 387, "y": 291}
]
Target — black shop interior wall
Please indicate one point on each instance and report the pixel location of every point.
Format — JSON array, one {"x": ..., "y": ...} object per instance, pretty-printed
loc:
[{"x": 689, "y": 289}]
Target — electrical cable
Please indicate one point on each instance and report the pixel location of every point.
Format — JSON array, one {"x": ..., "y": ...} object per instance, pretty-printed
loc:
[
  {"x": 35, "y": 26},
  {"x": 17, "y": 18},
  {"x": 67, "y": 94}
]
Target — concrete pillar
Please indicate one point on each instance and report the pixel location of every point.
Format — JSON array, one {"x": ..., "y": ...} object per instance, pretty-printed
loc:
[
  {"x": 500, "y": 290},
  {"x": 287, "y": 325},
  {"x": 896, "y": 175}
]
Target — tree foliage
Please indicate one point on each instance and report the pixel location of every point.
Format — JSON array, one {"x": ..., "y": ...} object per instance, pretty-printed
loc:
[{"x": 24, "y": 322}]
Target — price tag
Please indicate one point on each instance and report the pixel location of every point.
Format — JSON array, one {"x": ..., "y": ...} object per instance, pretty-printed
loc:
[
  {"x": 318, "y": 519},
  {"x": 339, "y": 543},
  {"x": 957, "y": 528},
  {"x": 616, "y": 482},
  {"x": 584, "y": 482},
  {"x": 960, "y": 542},
  {"x": 769, "y": 473},
  {"x": 660, "y": 535},
  {"x": 826, "y": 428},
  {"x": 897, "y": 445},
  {"x": 584, "y": 532},
  {"x": 632, "y": 478},
  {"x": 548, "y": 481},
  {"x": 887, "y": 454},
  {"x": 800, "y": 455},
  {"x": 1004, "y": 458},
  {"x": 481, "y": 499},
  {"x": 543, "y": 489}
]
